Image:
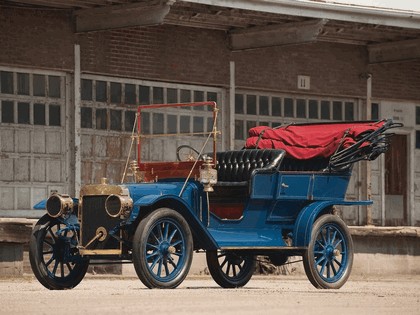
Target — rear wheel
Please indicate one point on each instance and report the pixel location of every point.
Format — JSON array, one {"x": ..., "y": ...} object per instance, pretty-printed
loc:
[
  {"x": 329, "y": 257},
  {"x": 53, "y": 254},
  {"x": 229, "y": 269},
  {"x": 162, "y": 249}
]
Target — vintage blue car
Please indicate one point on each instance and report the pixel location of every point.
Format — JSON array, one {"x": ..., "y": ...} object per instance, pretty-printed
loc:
[{"x": 263, "y": 200}]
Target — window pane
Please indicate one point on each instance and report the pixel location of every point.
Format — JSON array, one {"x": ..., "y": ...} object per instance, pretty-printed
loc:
[
  {"x": 145, "y": 123},
  {"x": 375, "y": 112},
  {"x": 55, "y": 115},
  {"x": 198, "y": 124},
  {"x": 325, "y": 110},
  {"x": 23, "y": 83},
  {"x": 129, "y": 119},
  {"x": 417, "y": 139},
  {"x": 275, "y": 124},
  {"x": 101, "y": 118},
  {"x": 130, "y": 94},
  {"x": 288, "y": 108},
  {"x": 212, "y": 96},
  {"x": 349, "y": 111},
  {"x": 184, "y": 124},
  {"x": 199, "y": 97},
  {"x": 239, "y": 129},
  {"x": 39, "y": 84},
  {"x": 86, "y": 117},
  {"x": 86, "y": 90},
  {"x": 54, "y": 86},
  {"x": 264, "y": 105},
  {"x": 337, "y": 110},
  {"x": 116, "y": 93},
  {"x": 172, "y": 95},
  {"x": 210, "y": 123},
  {"x": 6, "y": 81},
  {"x": 7, "y": 112},
  {"x": 101, "y": 91},
  {"x": 116, "y": 117},
  {"x": 250, "y": 125},
  {"x": 185, "y": 96},
  {"x": 251, "y": 104},
  {"x": 23, "y": 113},
  {"x": 239, "y": 104},
  {"x": 276, "y": 106},
  {"x": 157, "y": 123},
  {"x": 39, "y": 114},
  {"x": 417, "y": 115},
  {"x": 300, "y": 108},
  {"x": 313, "y": 109},
  {"x": 144, "y": 95},
  {"x": 171, "y": 124},
  {"x": 157, "y": 95}
]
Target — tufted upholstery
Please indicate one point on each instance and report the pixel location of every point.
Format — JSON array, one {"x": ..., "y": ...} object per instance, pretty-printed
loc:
[{"x": 237, "y": 166}]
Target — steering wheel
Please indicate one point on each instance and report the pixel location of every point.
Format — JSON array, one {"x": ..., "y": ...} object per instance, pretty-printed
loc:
[{"x": 187, "y": 153}]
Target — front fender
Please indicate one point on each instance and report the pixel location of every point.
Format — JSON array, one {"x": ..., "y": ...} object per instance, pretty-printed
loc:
[
  {"x": 202, "y": 236},
  {"x": 303, "y": 227}
]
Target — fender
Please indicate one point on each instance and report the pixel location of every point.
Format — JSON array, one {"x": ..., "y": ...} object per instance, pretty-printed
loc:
[
  {"x": 206, "y": 241},
  {"x": 303, "y": 227}
]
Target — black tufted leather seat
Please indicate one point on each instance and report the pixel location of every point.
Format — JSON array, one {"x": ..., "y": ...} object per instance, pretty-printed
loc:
[
  {"x": 312, "y": 165},
  {"x": 237, "y": 166}
]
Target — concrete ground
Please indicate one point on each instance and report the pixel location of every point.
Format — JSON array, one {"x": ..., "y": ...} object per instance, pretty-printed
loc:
[{"x": 201, "y": 295}]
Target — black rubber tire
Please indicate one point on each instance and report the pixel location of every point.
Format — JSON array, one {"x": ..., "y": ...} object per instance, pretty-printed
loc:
[
  {"x": 329, "y": 257},
  {"x": 49, "y": 256},
  {"x": 162, "y": 239},
  {"x": 229, "y": 277}
]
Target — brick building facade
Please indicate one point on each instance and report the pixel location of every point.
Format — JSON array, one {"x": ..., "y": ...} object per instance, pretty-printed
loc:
[{"x": 174, "y": 63}]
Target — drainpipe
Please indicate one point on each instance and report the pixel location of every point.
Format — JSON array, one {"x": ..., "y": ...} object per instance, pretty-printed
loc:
[{"x": 366, "y": 168}]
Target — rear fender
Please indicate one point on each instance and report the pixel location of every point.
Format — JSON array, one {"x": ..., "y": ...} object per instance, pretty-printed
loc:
[
  {"x": 303, "y": 227},
  {"x": 202, "y": 237}
]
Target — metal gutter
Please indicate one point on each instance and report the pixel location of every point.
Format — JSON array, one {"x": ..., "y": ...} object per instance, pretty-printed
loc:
[{"x": 323, "y": 10}]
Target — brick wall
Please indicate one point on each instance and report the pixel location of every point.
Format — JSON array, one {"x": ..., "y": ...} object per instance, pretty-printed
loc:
[{"x": 44, "y": 39}]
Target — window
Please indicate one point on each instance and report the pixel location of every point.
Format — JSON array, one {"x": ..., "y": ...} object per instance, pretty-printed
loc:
[
  {"x": 313, "y": 109},
  {"x": 7, "y": 112},
  {"x": 198, "y": 124},
  {"x": 375, "y": 112},
  {"x": 185, "y": 96},
  {"x": 251, "y": 104},
  {"x": 130, "y": 118},
  {"x": 184, "y": 124},
  {"x": 130, "y": 94},
  {"x": 337, "y": 110},
  {"x": 264, "y": 105},
  {"x": 239, "y": 104},
  {"x": 158, "y": 95},
  {"x": 300, "y": 108},
  {"x": 172, "y": 122},
  {"x": 145, "y": 123},
  {"x": 101, "y": 117},
  {"x": 199, "y": 97},
  {"x": 54, "y": 89},
  {"x": 158, "y": 123},
  {"x": 288, "y": 107},
  {"x": 6, "y": 82},
  {"x": 172, "y": 95},
  {"x": 116, "y": 119},
  {"x": 55, "y": 115},
  {"x": 23, "y": 83},
  {"x": 417, "y": 115},
  {"x": 349, "y": 111},
  {"x": 239, "y": 129},
  {"x": 23, "y": 113},
  {"x": 39, "y": 84},
  {"x": 144, "y": 95},
  {"x": 417, "y": 139},
  {"x": 276, "y": 106},
  {"x": 86, "y": 90},
  {"x": 86, "y": 117},
  {"x": 101, "y": 91},
  {"x": 325, "y": 110},
  {"x": 39, "y": 114},
  {"x": 116, "y": 93}
]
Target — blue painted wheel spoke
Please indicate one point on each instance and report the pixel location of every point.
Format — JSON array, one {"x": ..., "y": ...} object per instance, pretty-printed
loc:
[
  {"x": 318, "y": 262},
  {"x": 48, "y": 252},
  {"x": 166, "y": 231},
  {"x": 70, "y": 267},
  {"x": 152, "y": 246},
  {"x": 159, "y": 271},
  {"x": 165, "y": 264},
  {"x": 318, "y": 242},
  {"x": 333, "y": 268},
  {"x": 338, "y": 243},
  {"x": 228, "y": 268},
  {"x": 328, "y": 270},
  {"x": 159, "y": 230},
  {"x": 176, "y": 243},
  {"x": 321, "y": 272},
  {"x": 155, "y": 262},
  {"x": 62, "y": 269},
  {"x": 334, "y": 237},
  {"x": 55, "y": 268},
  {"x": 234, "y": 270},
  {"x": 49, "y": 261},
  {"x": 154, "y": 236},
  {"x": 178, "y": 254},
  {"x": 172, "y": 235},
  {"x": 155, "y": 253}
]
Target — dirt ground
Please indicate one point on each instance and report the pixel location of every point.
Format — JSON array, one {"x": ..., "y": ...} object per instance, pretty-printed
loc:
[{"x": 200, "y": 295}]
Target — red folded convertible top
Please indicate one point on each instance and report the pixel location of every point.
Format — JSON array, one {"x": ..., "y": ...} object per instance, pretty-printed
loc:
[{"x": 306, "y": 141}]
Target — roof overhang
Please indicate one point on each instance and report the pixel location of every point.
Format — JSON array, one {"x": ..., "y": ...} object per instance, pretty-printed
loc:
[{"x": 322, "y": 10}]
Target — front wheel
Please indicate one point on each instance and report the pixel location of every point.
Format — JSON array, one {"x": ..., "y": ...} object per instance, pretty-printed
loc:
[
  {"x": 229, "y": 269},
  {"x": 53, "y": 254},
  {"x": 162, "y": 249},
  {"x": 329, "y": 257}
]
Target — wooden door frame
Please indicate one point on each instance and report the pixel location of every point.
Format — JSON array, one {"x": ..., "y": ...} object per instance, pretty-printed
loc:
[{"x": 410, "y": 134}]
